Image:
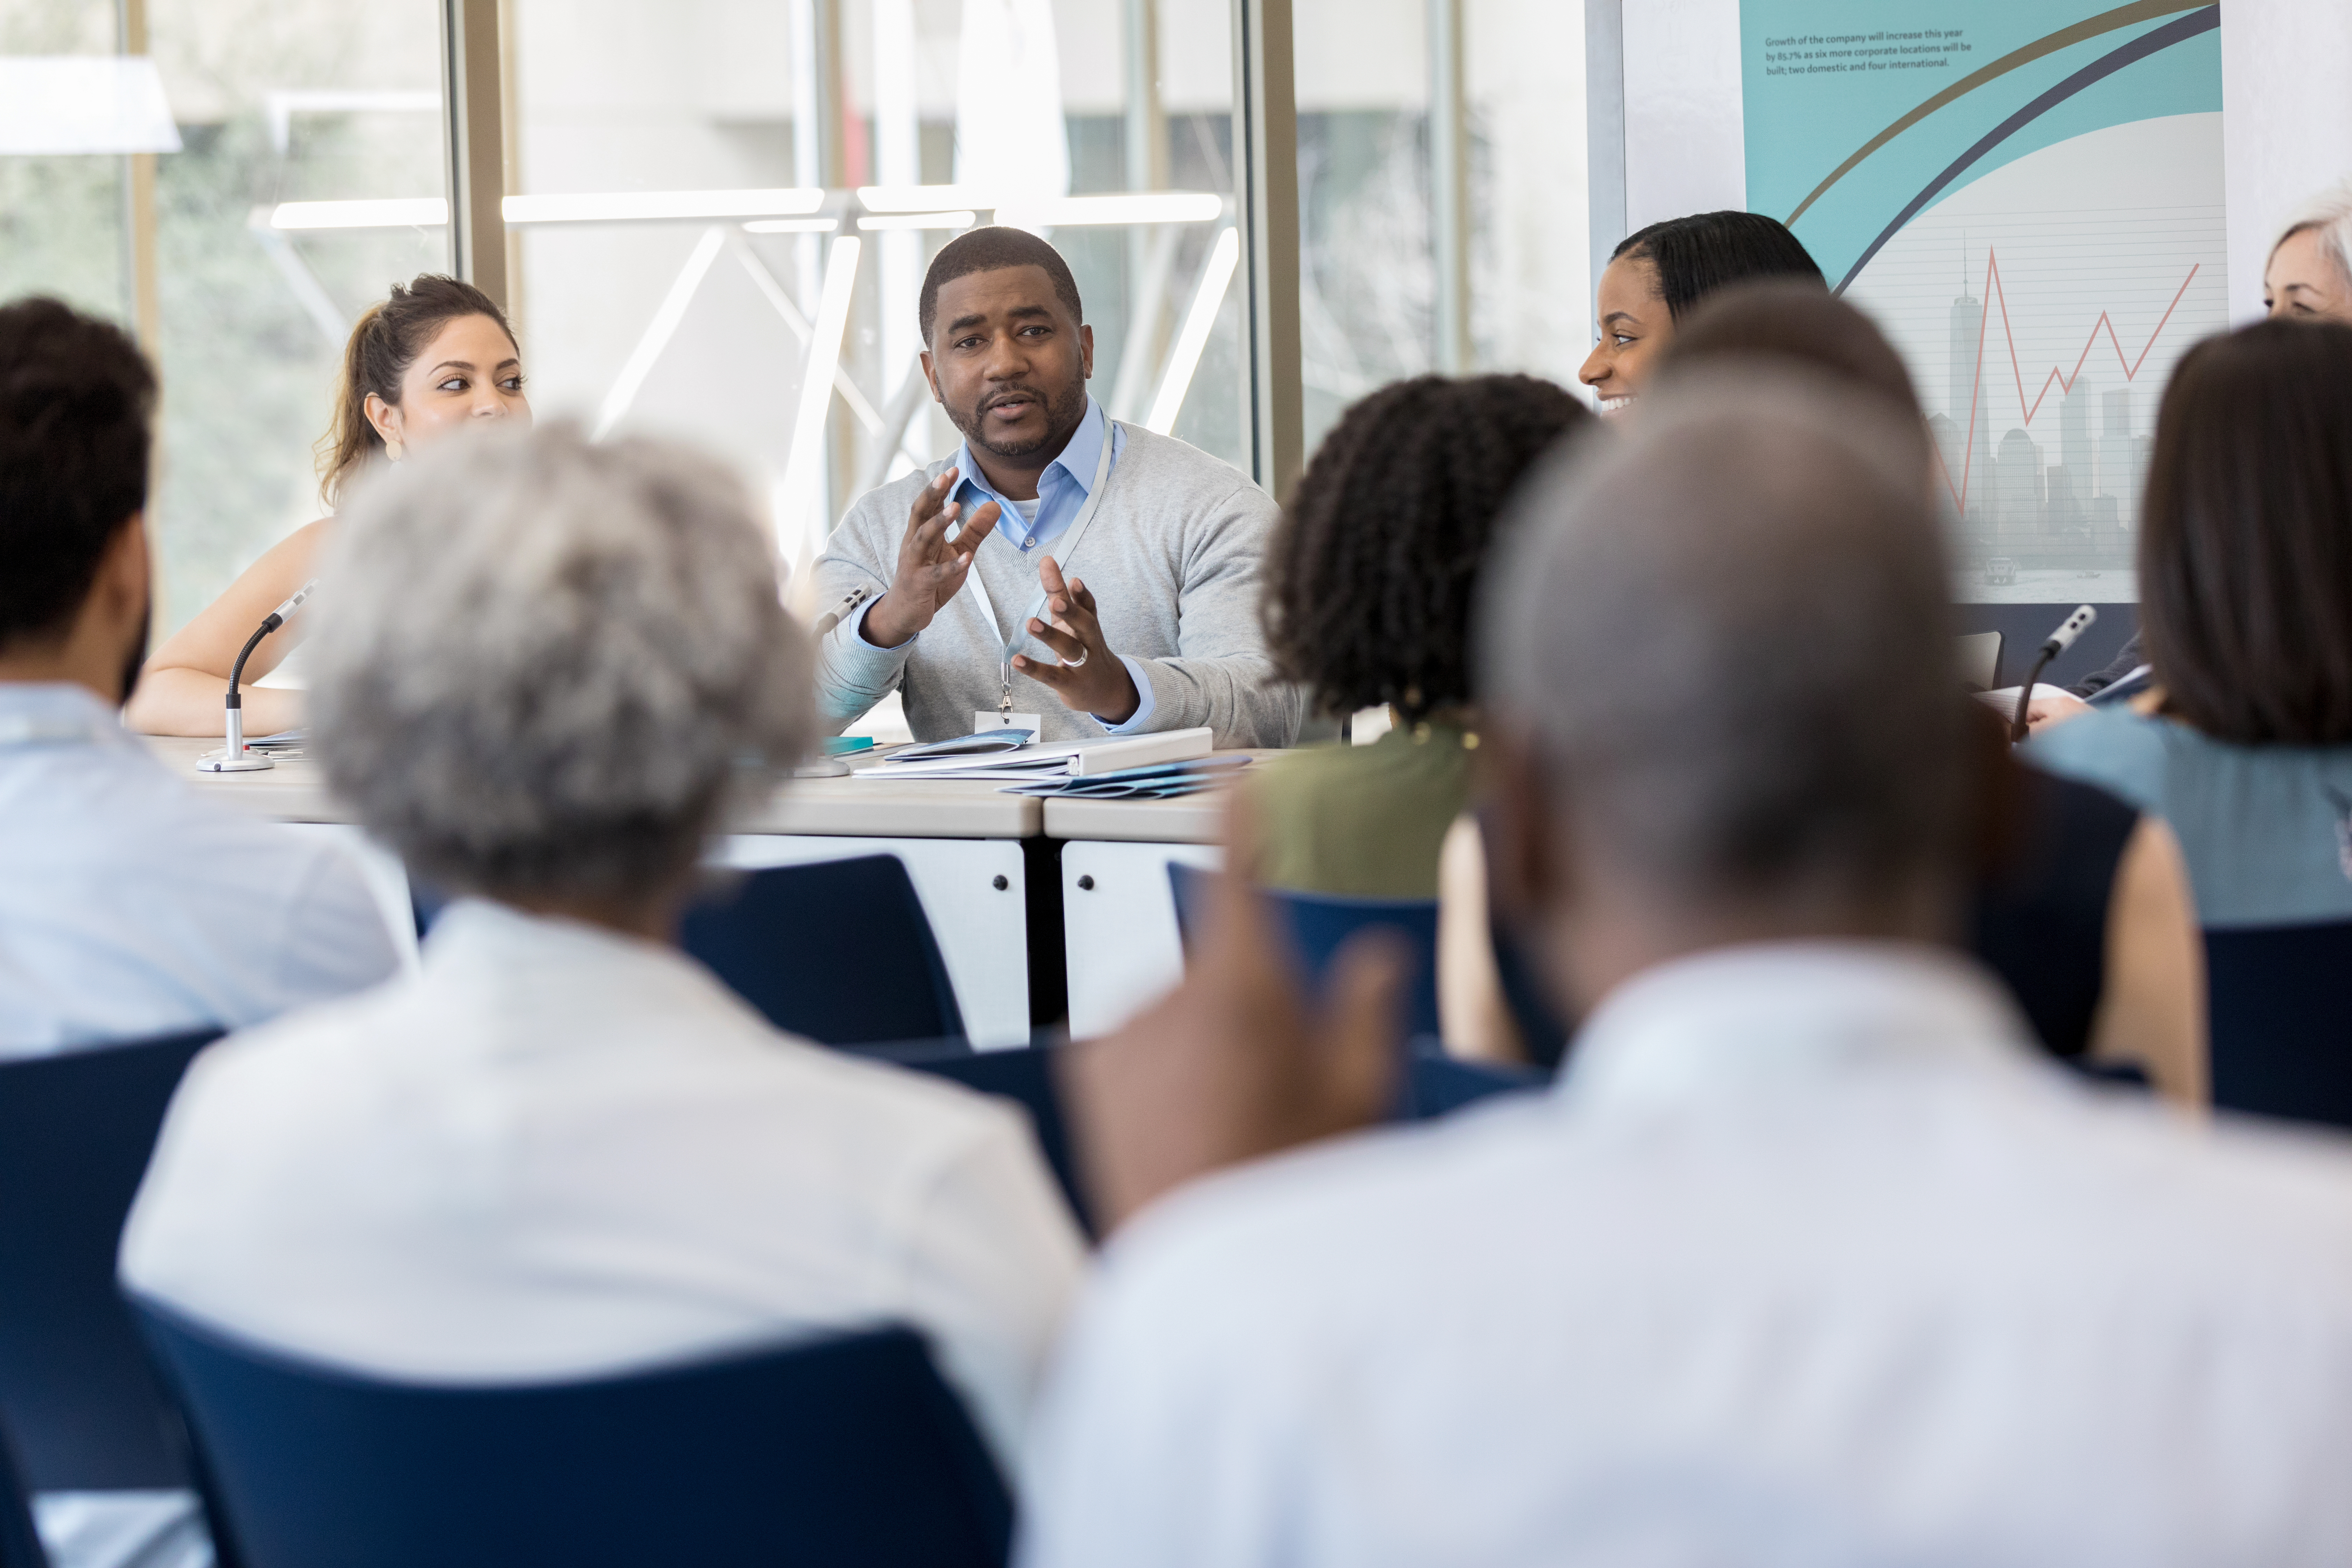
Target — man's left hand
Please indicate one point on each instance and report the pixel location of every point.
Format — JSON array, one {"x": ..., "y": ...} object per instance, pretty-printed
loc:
[{"x": 1090, "y": 679}]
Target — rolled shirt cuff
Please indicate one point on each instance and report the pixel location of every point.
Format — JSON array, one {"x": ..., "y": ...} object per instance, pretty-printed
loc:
[{"x": 1140, "y": 720}]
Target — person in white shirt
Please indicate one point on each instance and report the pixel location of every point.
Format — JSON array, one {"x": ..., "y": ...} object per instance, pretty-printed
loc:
[
  {"x": 563, "y": 1149},
  {"x": 130, "y": 906},
  {"x": 1808, "y": 1259}
]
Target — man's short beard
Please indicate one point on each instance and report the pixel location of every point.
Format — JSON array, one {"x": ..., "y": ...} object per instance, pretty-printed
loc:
[{"x": 1061, "y": 419}]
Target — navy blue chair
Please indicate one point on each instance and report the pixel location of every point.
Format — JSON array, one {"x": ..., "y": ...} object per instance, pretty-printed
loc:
[
  {"x": 838, "y": 952},
  {"x": 1437, "y": 1085},
  {"x": 20, "y": 1543},
  {"x": 1319, "y": 922},
  {"x": 75, "y": 1389},
  {"x": 844, "y": 1451},
  {"x": 2280, "y": 1020}
]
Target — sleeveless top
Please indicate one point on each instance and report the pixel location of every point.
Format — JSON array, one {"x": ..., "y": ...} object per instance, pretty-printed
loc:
[
  {"x": 2266, "y": 831},
  {"x": 1361, "y": 821}
]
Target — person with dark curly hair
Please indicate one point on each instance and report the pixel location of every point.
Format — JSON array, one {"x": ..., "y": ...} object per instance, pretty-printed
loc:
[
  {"x": 1656, "y": 275},
  {"x": 1371, "y": 576}
]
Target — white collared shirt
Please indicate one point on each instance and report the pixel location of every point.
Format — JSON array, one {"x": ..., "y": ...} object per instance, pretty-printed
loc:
[
  {"x": 1808, "y": 1262},
  {"x": 557, "y": 1151},
  {"x": 132, "y": 907}
]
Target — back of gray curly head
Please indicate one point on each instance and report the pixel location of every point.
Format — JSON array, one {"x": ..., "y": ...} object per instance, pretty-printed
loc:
[{"x": 543, "y": 665}]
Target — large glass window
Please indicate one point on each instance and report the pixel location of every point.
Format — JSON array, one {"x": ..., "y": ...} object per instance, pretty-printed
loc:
[
  {"x": 1368, "y": 229},
  {"x": 275, "y": 102},
  {"x": 1530, "y": 288},
  {"x": 816, "y": 154},
  {"x": 685, "y": 181}
]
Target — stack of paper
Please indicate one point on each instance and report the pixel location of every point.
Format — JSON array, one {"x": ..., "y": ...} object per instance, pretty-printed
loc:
[
  {"x": 1158, "y": 781},
  {"x": 997, "y": 756}
]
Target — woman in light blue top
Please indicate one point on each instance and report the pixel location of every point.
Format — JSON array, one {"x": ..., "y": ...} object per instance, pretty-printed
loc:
[{"x": 2245, "y": 575}]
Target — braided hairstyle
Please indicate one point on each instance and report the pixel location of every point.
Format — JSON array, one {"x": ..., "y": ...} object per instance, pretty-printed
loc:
[
  {"x": 1695, "y": 256},
  {"x": 1372, "y": 569}
]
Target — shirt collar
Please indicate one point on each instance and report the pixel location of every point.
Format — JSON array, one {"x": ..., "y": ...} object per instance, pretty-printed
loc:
[
  {"x": 56, "y": 712},
  {"x": 482, "y": 941},
  {"x": 1078, "y": 458},
  {"x": 1776, "y": 1014}
]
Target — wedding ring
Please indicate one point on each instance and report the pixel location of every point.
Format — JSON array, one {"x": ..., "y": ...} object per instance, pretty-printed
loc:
[{"x": 1077, "y": 663}]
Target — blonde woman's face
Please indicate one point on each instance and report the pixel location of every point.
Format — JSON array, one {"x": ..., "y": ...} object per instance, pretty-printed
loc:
[
  {"x": 471, "y": 371},
  {"x": 2304, "y": 280}
]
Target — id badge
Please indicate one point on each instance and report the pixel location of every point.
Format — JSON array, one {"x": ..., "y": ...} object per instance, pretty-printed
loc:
[{"x": 986, "y": 719}]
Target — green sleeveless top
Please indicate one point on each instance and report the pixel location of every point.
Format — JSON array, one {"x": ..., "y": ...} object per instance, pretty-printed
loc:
[{"x": 1362, "y": 821}]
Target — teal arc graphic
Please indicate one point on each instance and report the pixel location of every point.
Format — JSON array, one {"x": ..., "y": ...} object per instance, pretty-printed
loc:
[
  {"x": 2203, "y": 20},
  {"x": 1842, "y": 131}
]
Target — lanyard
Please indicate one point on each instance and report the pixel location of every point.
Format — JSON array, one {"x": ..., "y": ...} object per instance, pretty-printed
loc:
[{"x": 1009, "y": 643}]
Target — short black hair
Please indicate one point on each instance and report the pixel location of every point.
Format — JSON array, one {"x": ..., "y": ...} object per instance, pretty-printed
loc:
[
  {"x": 2245, "y": 544},
  {"x": 77, "y": 419},
  {"x": 989, "y": 250},
  {"x": 1372, "y": 569},
  {"x": 1695, "y": 256},
  {"x": 1654, "y": 621}
]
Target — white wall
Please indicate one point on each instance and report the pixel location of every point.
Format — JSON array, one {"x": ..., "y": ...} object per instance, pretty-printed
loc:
[{"x": 2286, "y": 123}]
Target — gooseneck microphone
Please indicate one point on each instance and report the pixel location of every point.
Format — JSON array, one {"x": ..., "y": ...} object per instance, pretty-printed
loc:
[
  {"x": 2062, "y": 639},
  {"x": 235, "y": 758}
]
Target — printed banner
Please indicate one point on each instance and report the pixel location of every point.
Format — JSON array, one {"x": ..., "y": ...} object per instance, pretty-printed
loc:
[{"x": 2027, "y": 196}]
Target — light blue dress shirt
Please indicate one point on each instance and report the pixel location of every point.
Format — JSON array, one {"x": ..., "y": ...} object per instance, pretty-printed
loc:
[
  {"x": 131, "y": 906},
  {"x": 1062, "y": 492}
]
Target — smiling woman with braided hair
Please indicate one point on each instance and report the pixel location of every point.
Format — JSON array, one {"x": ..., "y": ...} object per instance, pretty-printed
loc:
[{"x": 1371, "y": 576}]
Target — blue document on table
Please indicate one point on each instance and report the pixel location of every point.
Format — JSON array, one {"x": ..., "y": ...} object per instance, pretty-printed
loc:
[{"x": 1157, "y": 781}]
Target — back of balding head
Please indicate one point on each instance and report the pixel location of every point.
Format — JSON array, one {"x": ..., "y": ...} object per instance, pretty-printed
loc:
[{"x": 1726, "y": 633}]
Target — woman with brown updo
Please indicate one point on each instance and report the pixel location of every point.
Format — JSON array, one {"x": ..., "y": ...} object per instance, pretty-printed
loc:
[{"x": 434, "y": 356}]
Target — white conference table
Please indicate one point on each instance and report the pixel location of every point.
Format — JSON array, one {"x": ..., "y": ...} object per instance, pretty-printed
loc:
[
  {"x": 1119, "y": 911},
  {"x": 1012, "y": 924}
]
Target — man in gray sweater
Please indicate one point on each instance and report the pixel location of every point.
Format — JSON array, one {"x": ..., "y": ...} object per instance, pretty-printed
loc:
[{"x": 1060, "y": 567}]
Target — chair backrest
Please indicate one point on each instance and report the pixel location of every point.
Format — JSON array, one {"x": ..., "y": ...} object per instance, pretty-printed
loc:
[
  {"x": 1319, "y": 922},
  {"x": 1025, "y": 1075},
  {"x": 1437, "y": 1085},
  {"x": 20, "y": 1543},
  {"x": 839, "y": 951},
  {"x": 75, "y": 1390},
  {"x": 847, "y": 1450},
  {"x": 2281, "y": 1016}
]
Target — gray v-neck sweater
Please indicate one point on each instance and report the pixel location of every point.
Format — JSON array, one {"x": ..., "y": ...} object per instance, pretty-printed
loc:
[{"x": 1173, "y": 557}]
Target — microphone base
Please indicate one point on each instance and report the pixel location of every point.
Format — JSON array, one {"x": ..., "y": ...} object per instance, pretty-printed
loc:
[{"x": 221, "y": 761}]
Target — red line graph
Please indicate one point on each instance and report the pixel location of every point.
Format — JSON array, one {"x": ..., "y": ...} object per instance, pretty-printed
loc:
[{"x": 2064, "y": 380}]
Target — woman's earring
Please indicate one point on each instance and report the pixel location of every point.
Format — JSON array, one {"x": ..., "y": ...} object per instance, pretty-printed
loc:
[{"x": 391, "y": 450}]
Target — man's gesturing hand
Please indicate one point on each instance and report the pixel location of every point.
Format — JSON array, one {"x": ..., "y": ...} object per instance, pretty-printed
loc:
[
  {"x": 1090, "y": 679},
  {"x": 931, "y": 569}
]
